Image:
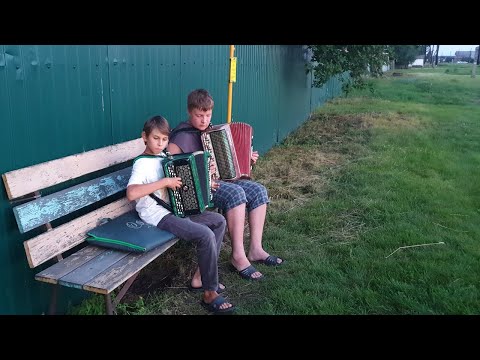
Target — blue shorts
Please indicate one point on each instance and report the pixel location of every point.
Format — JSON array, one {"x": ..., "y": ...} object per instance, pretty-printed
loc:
[{"x": 233, "y": 193}]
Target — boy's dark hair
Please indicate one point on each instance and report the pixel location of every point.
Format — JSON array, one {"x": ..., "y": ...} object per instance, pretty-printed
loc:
[
  {"x": 200, "y": 99},
  {"x": 157, "y": 122}
]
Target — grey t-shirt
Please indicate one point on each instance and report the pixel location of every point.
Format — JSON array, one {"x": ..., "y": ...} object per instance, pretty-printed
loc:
[{"x": 187, "y": 141}]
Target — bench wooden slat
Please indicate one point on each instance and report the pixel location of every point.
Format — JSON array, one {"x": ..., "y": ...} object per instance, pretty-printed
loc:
[
  {"x": 69, "y": 264},
  {"x": 29, "y": 179},
  {"x": 54, "y": 242},
  {"x": 114, "y": 276},
  {"x": 51, "y": 207},
  {"x": 92, "y": 268}
]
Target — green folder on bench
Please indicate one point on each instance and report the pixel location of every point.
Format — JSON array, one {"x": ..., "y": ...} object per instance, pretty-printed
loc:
[{"x": 129, "y": 233}]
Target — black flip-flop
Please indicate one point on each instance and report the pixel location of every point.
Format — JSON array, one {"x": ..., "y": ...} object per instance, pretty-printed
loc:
[
  {"x": 247, "y": 273},
  {"x": 214, "y": 306},
  {"x": 271, "y": 260}
]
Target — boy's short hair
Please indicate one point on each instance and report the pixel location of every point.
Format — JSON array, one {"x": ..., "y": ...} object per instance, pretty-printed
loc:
[
  {"x": 157, "y": 122},
  {"x": 200, "y": 99}
]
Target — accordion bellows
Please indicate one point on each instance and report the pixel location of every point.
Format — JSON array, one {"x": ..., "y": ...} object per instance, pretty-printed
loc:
[
  {"x": 230, "y": 146},
  {"x": 242, "y": 136},
  {"x": 194, "y": 196}
]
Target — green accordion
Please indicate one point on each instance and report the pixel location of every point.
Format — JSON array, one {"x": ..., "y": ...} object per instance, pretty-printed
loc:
[{"x": 195, "y": 195}]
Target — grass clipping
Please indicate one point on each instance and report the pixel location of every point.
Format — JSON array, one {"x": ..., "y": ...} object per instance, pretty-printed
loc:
[{"x": 301, "y": 166}]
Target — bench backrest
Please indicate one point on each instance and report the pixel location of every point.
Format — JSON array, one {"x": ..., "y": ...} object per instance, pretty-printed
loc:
[{"x": 42, "y": 210}]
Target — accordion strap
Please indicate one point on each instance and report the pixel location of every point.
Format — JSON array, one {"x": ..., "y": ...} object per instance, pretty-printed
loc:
[
  {"x": 161, "y": 202},
  {"x": 152, "y": 195}
]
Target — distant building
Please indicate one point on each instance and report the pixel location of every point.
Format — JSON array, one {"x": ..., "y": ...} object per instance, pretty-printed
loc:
[
  {"x": 459, "y": 55},
  {"x": 418, "y": 62},
  {"x": 447, "y": 59}
]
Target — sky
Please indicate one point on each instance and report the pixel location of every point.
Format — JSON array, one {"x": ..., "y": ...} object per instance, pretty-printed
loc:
[{"x": 449, "y": 50}]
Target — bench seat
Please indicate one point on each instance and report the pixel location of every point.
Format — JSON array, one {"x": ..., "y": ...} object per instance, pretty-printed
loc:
[{"x": 99, "y": 270}]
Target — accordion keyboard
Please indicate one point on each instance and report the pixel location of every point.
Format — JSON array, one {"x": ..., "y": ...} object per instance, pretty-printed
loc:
[
  {"x": 212, "y": 162},
  {"x": 223, "y": 154},
  {"x": 185, "y": 198}
]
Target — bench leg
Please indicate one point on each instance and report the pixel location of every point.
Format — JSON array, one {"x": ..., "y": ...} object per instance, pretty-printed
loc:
[
  {"x": 52, "y": 310},
  {"x": 111, "y": 306},
  {"x": 125, "y": 288},
  {"x": 108, "y": 304}
]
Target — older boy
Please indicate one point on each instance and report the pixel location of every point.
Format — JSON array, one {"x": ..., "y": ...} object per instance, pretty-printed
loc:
[{"x": 233, "y": 197}]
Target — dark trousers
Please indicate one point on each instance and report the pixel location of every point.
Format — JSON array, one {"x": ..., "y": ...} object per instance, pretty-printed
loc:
[{"x": 206, "y": 231}]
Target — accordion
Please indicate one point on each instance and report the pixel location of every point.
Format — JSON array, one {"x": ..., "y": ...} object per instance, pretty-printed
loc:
[
  {"x": 230, "y": 147},
  {"x": 194, "y": 196}
]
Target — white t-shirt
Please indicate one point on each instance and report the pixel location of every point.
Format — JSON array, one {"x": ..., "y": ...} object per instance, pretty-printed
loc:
[{"x": 147, "y": 170}]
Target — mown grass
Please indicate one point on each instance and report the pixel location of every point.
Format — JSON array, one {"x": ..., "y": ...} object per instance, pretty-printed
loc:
[{"x": 375, "y": 207}]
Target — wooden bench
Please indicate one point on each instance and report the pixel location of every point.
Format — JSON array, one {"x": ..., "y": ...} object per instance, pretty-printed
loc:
[{"x": 91, "y": 268}]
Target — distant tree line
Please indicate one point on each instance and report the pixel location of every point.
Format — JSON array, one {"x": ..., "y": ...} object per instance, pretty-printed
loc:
[{"x": 360, "y": 61}]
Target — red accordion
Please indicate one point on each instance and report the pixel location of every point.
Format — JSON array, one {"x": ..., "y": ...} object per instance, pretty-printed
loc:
[{"x": 230, "y": 147}]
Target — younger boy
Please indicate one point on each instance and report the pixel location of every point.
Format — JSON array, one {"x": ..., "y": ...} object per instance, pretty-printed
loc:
[{"x": 206, "y": 230}]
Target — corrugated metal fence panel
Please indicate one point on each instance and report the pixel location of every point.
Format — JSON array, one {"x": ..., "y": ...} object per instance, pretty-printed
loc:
[
  {"x": 255, "y": 93},
  {"x": 7, "y": 275},
  {"x": 205, "y": 67},
  {"x": 272, "y": 92},
  {"x": 144, "y": 81},
  {"x": 6, "y": 134},
  {"x": 55, "y": 95},
  {"x": 51, "y": 106},
  {"x": 332, "y": 88},
  {"x": 295, "y": 91},
  {"x": 155, "y": 80}
]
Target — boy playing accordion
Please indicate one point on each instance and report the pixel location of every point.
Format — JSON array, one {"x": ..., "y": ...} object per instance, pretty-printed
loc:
[
  {"x": 206, "y": 229},
  {"x": 232, "y": 197}
]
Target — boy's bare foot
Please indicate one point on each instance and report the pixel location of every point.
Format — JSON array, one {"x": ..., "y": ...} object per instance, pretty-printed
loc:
[
  {"x": 220, "y": 288},
  {"x": 264, "y": 257},
  {"x": 209, "y": 298},
  {"x": 244, "y": 264}
]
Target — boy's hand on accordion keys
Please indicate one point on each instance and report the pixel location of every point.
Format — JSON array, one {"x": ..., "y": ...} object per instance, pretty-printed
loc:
[
  {"x": 211, "y": 167},
  {"x": 214, "y": 185},
  {"x": 174, "y": 182},
  {"x": 254, "y": 157}
]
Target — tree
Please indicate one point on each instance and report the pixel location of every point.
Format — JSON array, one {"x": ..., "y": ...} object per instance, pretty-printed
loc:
[
  {"x": 430, "y": 54},
  {"x": 356, "y": 60},
  {"x": 405, "y": 54}
]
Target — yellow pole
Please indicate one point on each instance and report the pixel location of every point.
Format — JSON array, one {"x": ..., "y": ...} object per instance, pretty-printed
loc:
[{"x": 231, "y": 80}]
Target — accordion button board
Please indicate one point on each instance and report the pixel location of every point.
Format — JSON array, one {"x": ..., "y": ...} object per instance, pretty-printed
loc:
[{"x": 194, "y": 196}]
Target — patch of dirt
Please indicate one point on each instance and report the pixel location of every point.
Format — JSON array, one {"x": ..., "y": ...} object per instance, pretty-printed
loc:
[{"x": 171, "y": 269}]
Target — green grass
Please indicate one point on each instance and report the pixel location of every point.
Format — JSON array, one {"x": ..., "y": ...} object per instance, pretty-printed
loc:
[{"x": 366, "y": 176}]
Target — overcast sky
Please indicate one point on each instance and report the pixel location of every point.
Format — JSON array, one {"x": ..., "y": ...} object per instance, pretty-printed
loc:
[{"x": 447, "y": 50}]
